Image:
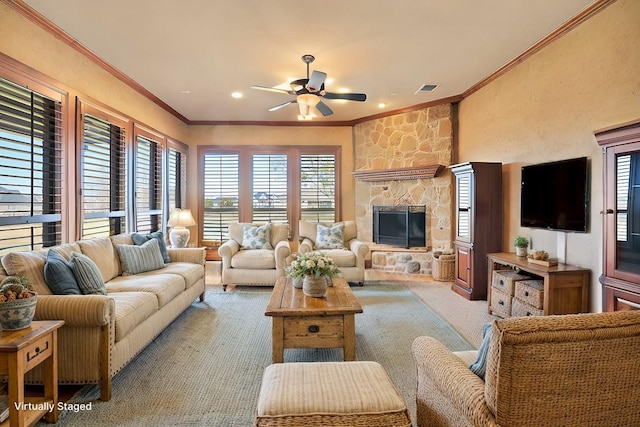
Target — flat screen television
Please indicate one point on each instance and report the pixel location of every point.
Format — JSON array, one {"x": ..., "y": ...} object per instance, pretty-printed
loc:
[{"x": 555, "y": 195}]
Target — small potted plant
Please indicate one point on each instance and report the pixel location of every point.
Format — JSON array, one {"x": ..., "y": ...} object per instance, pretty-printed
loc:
[
  {"x": 521, "y": 244},
  {"x": 314, "y": 268},
  {"x": 17, "y": 303}
]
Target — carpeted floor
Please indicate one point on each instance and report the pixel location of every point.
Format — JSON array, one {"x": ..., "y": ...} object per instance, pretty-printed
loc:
[{"x": 206, "y": 368}]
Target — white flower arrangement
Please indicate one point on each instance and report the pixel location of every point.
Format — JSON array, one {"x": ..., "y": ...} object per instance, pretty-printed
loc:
[{"x": 313, "y": 264}]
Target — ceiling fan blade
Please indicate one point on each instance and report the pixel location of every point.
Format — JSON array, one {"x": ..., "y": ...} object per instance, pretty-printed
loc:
[
  {"x": 348, "y": 96},
  {"x": 284, "y": 104},
  {"x": 316, "y": 81},
  {"x": 324, "y": 109},
  {"x": 272, "y": 89}
]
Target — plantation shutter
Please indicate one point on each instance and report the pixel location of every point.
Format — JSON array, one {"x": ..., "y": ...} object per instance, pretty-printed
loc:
[
  {"x": 103, "y": 178},
  {"x": 269, "y": 188},
  {"x": 30, "y": 169},
  {"x": 177, "y": 177},
  {"x": 148, "y": 185},
  {"x": 318, "y": 187},
  {"x": 221, "y": 194}
]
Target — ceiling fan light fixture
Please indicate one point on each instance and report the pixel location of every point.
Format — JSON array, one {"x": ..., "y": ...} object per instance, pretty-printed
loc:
[{"x": 308, "y": 99}]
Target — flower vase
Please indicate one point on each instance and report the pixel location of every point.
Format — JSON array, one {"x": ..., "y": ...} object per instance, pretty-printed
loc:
[{"x": 314, "y": 286}]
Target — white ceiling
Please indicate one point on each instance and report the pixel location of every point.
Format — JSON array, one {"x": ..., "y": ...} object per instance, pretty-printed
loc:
[{"x": 386, "y": 49}]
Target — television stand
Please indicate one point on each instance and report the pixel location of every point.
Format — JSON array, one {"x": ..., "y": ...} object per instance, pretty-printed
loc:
[{"x": 566, "y": 287}]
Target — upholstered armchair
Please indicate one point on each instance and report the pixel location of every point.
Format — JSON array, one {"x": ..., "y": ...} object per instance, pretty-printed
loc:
[
  {"x": 563, "y": 370},
  {"x": 254, "y": 255},
  {"x": 339, "y": 242}
]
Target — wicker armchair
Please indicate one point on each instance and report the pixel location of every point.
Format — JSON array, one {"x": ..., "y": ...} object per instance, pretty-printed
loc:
[{"x": 571, "y": 370}]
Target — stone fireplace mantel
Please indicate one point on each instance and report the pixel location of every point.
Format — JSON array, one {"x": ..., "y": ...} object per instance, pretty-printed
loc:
[{"x": 414, "y": 172}]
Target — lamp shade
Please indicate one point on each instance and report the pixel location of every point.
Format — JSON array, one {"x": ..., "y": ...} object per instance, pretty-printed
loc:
[{"x": 181, "y": 218}]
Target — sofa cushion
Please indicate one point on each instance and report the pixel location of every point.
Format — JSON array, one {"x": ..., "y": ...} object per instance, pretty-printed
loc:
[
  {"x": 256, "y": 237},
  {"x": 29, "y": 264},
  {"x": 165, "y": 287},
  {"x": 255, "y": 259},
  {"x": 87, "y": 274},
  {"x": 103, "y": 254},
  {"x": 331, "y": 237},
  {"x": 138, "y": 259},
  {"x": 190, "y": 272},
  {"x": 58, "y": 275},
  {"x": 140, "y": 239},
  {"x": 341, "y": 257},
  {"x": 132, "y": 308}
]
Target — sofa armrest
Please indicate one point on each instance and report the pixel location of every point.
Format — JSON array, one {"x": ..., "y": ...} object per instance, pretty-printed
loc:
[
  {"x": 446, "y": 387},
  {"x": 226, "y": 251},
  {"x": 361, "y": 250},
  {"x": 282, "y": 251},
  {"x": 192, "y": 255},
  {"x": 76, "y": 310},
  {"x": 305, "y": 246}
]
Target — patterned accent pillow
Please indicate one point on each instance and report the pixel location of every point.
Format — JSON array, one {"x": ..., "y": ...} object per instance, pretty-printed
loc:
[
  {"x": 138, "y": 259},
  {"x": 256, "y": 237},
  {"x": 330, "y": 237},
  {"x": 58, "y": 275},
  {"x": 140, "y": 239},
  {"x": 87, "y": 274}
]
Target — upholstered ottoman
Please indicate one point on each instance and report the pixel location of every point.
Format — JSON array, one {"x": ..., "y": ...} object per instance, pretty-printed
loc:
[{"x": 329, "y": 394}]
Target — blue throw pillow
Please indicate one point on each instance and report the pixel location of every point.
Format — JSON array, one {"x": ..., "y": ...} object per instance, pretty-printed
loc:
[
  {"x": 140, "y": 239},
  {"x": 58, "y": 275},
  {"x": 479, "y": 367},
  {"x": 87, "y": 275}
]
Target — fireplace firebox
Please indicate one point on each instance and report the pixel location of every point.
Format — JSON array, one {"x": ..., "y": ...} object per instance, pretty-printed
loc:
[{"x": 400, "y": 225}]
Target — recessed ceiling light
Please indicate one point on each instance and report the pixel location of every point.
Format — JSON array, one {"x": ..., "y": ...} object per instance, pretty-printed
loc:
[
  {"x": 185, "y": 91},
  {"x": 382, "y": 105},
  {"x": 237, "y": 95}
]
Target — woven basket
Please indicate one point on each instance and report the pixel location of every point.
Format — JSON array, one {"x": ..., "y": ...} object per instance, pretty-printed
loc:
[{"x": 443, "y": 268}]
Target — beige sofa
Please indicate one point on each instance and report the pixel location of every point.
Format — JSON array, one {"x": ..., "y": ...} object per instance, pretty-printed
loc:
[
  {"x": 260, "y": 267},
  {"x": 103, "y": 333},
  {"x": 350, "y": 259},
  {"x": 570, "y": 370}
]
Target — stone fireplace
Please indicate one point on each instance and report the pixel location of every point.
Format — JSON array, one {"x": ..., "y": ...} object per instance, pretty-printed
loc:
[{"x": 397, "y": 150}]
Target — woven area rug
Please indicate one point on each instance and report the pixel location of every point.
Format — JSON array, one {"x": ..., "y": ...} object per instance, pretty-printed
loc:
[{"x": 205, "y": 369}]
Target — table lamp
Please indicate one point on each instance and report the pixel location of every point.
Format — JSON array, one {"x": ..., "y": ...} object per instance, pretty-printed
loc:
[{"x": 178, "y": 221}]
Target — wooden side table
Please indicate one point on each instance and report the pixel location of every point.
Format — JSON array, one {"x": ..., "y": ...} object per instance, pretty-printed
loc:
[{"x": 21, "y": 351}]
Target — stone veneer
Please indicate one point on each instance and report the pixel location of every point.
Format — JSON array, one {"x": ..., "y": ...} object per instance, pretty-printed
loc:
[{"x": 416, "y": 138}]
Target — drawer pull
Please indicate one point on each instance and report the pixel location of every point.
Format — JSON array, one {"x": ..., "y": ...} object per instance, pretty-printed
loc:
[
  {"x": 502, "y": 282},
  {"x": 36, "y": 351},
  {"x": 526, "y": 293},
  {"x": 314, "y": 329},
  {"x": 501, "y": 302}
]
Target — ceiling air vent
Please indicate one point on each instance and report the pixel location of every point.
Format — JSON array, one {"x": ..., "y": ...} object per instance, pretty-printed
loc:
[{"x": 426, "y": 88}]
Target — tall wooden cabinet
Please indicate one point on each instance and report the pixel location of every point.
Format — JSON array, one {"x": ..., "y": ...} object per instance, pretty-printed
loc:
[
  {"x": 621, "y": 270},
  {"x": 478, "y": 224}
]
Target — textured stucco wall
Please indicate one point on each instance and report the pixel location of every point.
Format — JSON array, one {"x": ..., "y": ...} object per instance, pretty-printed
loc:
[{"x": 548, "y": 108}]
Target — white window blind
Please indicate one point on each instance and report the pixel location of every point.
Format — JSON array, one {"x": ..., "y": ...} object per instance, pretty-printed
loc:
[
  {"x": 148, "y": 185},
  {"x": 318, "y": 187},
  {"x": 221, "y": 194},
  {"x": 269, "y": 188},
  {"x": 30, "y": 169},
  {"x": 103, "y": 178}
]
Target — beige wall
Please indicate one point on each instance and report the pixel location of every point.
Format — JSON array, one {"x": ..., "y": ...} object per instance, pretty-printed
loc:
[{"x": 548, "y": 108}]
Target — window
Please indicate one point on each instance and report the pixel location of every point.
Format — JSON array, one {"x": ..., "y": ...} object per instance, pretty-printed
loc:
[
  {"x": 269, "y": 188},
  {"x": 103, "y": 170},
  {"x": 148, "y": 183},
  {"x": 318, "y": 187},
  {"x": 221, "y": 184},
  {"x": 249, "y": 184},
  {"x": 177, "y": 176},
  {"x": 30, "y": 168}
]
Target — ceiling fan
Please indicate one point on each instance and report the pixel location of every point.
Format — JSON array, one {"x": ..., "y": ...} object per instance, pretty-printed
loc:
[{"x": 308, "y": 93}]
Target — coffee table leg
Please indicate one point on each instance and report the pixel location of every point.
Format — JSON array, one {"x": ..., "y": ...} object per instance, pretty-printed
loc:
[
  {"x": 277, "y": 339},
  {"x": 349, "y": 348}
]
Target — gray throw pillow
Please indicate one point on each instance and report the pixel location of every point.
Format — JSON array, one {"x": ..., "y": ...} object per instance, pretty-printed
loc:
[
  {"x": 87, "y": 274},
  {"x": 140, "y": 239},
  {"x": 479, "y": 367},
  {"x": 138, "y": 259},
  {"x": 58, "y": 275}
]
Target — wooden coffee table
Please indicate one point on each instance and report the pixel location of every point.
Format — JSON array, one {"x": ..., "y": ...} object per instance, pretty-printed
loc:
[{"x": 300, "y": 321}]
